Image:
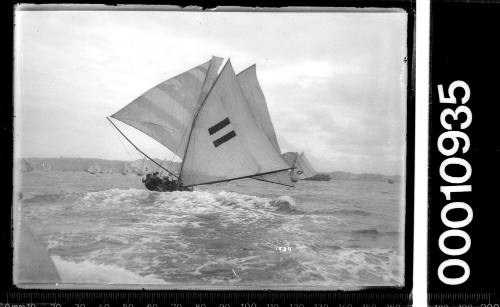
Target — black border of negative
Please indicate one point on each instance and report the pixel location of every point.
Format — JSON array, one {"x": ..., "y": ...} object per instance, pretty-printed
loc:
[{"x": 8, "y": 290}]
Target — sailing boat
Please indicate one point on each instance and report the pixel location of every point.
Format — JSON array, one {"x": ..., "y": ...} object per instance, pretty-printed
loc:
[
  {"x": 126, "y": 169},
  {"x": 94, "y": 168},
  {"x": 302, "y": 168},
  {"x": 205, "y": 119}
]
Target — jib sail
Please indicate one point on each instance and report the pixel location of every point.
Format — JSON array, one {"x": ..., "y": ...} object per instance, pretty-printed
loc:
[{"x": 258, "y": 106}]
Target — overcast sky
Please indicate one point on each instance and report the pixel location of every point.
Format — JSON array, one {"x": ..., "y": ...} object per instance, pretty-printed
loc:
[{"x": 335, "y": 82}]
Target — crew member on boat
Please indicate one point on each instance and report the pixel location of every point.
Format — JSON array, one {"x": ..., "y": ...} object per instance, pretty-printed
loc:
[{"x": 158, "y": 182}]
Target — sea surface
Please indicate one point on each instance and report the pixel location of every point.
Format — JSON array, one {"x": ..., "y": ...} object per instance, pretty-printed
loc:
[{"x": 107, "y": 229}]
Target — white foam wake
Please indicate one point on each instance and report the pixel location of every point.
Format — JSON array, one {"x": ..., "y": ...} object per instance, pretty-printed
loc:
[{"x": 88, "y": 272}]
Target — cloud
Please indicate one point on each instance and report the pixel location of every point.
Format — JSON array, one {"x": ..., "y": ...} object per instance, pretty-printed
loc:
[{"x": 334, "y": 82}]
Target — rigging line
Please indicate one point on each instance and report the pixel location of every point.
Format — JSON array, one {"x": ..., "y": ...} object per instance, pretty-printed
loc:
[
  {"x": 198, "y": 112},
  {"x": 123, "y": 145},
  {"x": 137, "y": 148},
  {"x": 161, "y": 163},
  {"x": 286, "y": 185},
  {"x": 236, "y": 178}
]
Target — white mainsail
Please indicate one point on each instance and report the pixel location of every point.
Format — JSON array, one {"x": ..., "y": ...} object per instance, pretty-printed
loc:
[
  {"x": 166, "y": 112},
  {"x": 226, "y": 143},
  {"x": 258, "y": 106}
]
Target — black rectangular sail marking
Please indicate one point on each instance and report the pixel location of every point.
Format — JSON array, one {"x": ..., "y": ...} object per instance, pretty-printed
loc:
[
  {"x": 224, "y": 138},
  {"x": 223, "y": 123}
]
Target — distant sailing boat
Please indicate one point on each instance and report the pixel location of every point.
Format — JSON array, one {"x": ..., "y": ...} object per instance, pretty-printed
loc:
[
  {"x": 205, "y": 119},
  {"x": 302, "y": 168},
  {"x": 94, "y": 169},
  {"x": 126, "y": 169}
]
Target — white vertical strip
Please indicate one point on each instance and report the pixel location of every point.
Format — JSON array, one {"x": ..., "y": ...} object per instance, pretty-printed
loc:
[
  {"x": 421, "y": 154},
  {"x": 17, "y": 120}
]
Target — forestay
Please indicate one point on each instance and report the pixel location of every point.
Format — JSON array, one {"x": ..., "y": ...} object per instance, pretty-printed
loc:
[
  {"x": 166, "y": 111},
  {"x": 226, "y": 143}
]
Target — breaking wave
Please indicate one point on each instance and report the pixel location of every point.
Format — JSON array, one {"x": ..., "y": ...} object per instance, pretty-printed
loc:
[{"x": 88, "y": 272}]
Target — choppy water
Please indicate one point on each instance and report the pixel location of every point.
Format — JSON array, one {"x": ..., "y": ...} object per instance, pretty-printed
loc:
[{"x": 107, "y": 229}]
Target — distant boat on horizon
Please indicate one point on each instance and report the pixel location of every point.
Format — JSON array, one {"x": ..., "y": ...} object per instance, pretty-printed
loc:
[
  {"x": 126, "y": 169},
  {"x": 301, "y": 167},
  {"x": 94, "y": 169}
]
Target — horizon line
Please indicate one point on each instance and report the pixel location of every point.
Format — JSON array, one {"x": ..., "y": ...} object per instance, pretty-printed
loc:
[{"x": 330, "y": 171}]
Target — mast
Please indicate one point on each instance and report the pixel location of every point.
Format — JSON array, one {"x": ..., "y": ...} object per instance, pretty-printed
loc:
[
  {"x": 295, "y": 163},
  {"x": 194, "y": 120},
  {"x": 294, "y": 169},
  {"x": 296, "y": 158},
  {"x": 137, "y": 148}
]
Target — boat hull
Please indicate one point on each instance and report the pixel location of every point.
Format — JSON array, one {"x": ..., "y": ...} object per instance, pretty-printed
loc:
[
  {"x": 169, "y": 189},
  {"x": 153, "y": 182}
]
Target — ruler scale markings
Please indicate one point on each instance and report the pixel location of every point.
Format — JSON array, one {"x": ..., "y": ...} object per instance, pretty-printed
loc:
[{"x": 214, "y": 298}]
